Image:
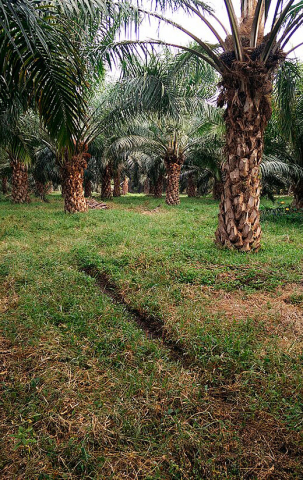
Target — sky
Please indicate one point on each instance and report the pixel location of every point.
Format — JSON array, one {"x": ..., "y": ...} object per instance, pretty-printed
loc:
[{"x": 153, "y": 29}]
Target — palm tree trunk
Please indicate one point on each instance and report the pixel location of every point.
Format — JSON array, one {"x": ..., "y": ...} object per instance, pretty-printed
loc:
[
  {"x": 146, "y": 186},
  {"x": 20, "y": 192},
  {"x": 117, "y": 181},
  {"x": 159, "y": 187},
  {"x": 191, "y": 186},
  {"x": 173, "y": 164},
  {"x": 41, "y": 190},
  {"x": 125, "y": 186},
  {"x": 88, "y": 189},
  {"x": 4, "y": 185},
  {"x": 217, "y": 189},
  {"x": 298, "y": 195},
  {"x": 72, "y": 177},
  {"x": 106, "y": 188},
  {"x": 247, "y": 96}
]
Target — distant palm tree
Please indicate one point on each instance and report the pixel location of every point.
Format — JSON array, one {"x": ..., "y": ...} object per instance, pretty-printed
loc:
[
  {"x": 166, "y": 95},
  {"x": 289, "y": 115},
  {"x": 205, "y": 158},
  {"x": 162, "y": 146},
  {"x": 20, "y": 136},
  {"x": 45, "y": 170},
  {"x": 151, "y": 170}
]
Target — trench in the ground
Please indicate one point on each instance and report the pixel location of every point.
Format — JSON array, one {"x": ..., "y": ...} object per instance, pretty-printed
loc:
[{"x": 153, "y": 326}]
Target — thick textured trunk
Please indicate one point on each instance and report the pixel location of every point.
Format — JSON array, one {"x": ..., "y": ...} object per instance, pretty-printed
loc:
[
  {"x": 159, "y": 187},
  {"x": 88, "y": 188},
  {"x": 217, "y": 189},
  {"x": 4, "y": 186},
  {"x": 72, "y": 184},
  {"x": 125, "y": 186},
  {"x": 41, "y": 189},
  {"x": 147, "y": 186},
  {"x": 247, "y": 95},
  {"x": 152, "y": 189},
  {"x": 20, "y": 193},
  {"x": 191, "y": 186},
  {"x": 106, "y": 188},
  {"x": 173, "y": 164},
  {"x": 117, "y": 181},
  {"x": 298, "y": 195}
]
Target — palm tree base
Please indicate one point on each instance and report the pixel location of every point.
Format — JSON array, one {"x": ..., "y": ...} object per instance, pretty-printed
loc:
[
  {"x": 73, "y": 177},
  {"x": 125, "y": 186},
  {"x": 41, "y": 189},
  {"x": 117, "y": 189},
  {"x": 88, "y": 189},
  {"x": 173, "y": 166},
  {"x": 106, "y": 189},
  {"x": 298, "y": 196},
  {"x": 158, "y": 187},
  {"x": 191, "y": 186},
  {"x": 20, "y": 193},
  {"x": 146, "y": 188}
]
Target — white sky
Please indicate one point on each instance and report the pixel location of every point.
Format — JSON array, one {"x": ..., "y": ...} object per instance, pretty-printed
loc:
[{"x": 153, "y": 29}]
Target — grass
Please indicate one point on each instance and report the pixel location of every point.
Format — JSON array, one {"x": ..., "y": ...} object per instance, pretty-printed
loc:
[{"x": 86, "y": 393}]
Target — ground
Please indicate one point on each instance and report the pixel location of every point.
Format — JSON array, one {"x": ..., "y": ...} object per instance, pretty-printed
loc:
[{"x": 132, "y": 347}]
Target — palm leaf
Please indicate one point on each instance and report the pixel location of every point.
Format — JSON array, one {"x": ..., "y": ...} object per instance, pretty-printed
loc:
[{"x": 234, "y": 28}]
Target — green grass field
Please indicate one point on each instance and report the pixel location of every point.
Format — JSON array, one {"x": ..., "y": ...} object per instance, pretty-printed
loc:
[{"x": 87, "y": 392}]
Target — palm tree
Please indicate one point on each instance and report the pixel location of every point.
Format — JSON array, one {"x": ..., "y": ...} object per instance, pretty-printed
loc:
[
  {"x": 106, "y": 185},
  {"x": 5, "y": 171},
  {"x": 160, "y": 143},
  {"x": 19, "y": 140},
  {"x": 162, "y": 146},
  {"x": 45, "y": 170},
  {"x": 205, "y": 157},
  {"x": 109, "y": 155},
  {"x": 88, "y": 187},
  {"x": 191, "y": 188},
  {"x": 246, "y": 59},
  {"x": 289, "y": 116},
  {"x": 38, "y": 53},
  {"x": 46, "y": 49},
  {"x": 125, "y": 185},
  {"x": 164, "y": 93},
  {"x": 203, "y": 165},
  {"x": 151, "y": 167}
]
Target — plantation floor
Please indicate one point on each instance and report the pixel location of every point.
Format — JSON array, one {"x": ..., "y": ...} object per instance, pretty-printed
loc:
[{"x": 132, "y": 348}]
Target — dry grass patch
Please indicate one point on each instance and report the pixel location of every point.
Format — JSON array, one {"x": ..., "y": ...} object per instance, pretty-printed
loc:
[
  {"x": 154, "y": 211},
  {"x": 8, "y": 296},
  {"x": 274, "y": 309}
]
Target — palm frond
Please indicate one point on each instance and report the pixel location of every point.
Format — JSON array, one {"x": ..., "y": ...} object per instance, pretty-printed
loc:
[
  {"x": 234, "y": 28},
  {"x": 272, "y": 166}
]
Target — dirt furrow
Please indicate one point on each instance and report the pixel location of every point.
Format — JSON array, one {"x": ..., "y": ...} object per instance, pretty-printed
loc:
[{"x": 153, "y": 326}]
